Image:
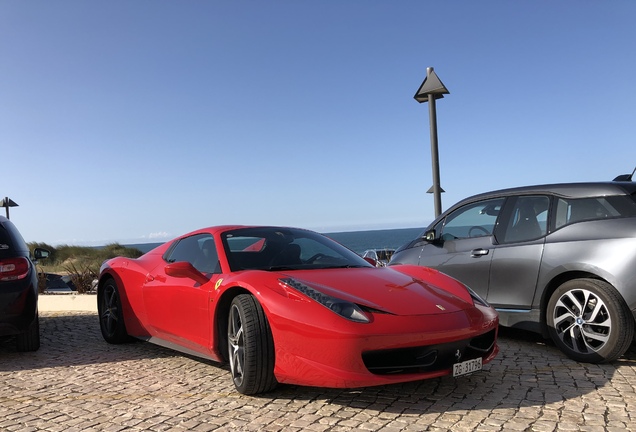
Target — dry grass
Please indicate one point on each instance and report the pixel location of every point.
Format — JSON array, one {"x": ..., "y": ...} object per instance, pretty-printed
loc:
[{"x": 81, "y": 263}]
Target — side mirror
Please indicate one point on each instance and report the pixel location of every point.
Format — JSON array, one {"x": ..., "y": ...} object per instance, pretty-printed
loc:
[
  {"x": 183, "y": 269},
  {"x": 39, "y": 253},
  {"x": 430, "y": 236}
]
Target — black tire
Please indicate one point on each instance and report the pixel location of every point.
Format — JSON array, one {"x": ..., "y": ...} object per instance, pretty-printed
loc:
[
  {"x": 589, "y": 321},
  {"x": 250, "y": 346},
  {"x": 111, "y": 318},
  {"x": 29, "y": 340}
]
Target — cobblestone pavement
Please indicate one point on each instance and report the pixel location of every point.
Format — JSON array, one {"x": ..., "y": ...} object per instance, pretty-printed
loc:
[{"x": 78, "y": 382}]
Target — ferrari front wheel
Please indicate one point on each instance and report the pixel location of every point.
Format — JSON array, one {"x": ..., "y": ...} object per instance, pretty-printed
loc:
[
  {"x": 111, "y": 319},
  {"x": 250, "y": 346}
]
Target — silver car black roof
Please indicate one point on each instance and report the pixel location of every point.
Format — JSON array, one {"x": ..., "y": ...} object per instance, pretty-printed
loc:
[{"x": 566, "y": 190}]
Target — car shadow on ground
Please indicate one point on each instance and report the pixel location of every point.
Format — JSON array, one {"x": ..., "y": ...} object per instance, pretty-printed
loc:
[
  {"x": 73, "y": 340},
  {"x": 528, "y": 372}
]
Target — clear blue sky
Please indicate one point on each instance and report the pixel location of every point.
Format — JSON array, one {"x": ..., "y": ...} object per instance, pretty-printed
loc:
[{"x": 137, "y": 121}]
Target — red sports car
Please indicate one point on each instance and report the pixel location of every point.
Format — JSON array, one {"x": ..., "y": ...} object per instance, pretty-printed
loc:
[{"x": 287, "y": 305}]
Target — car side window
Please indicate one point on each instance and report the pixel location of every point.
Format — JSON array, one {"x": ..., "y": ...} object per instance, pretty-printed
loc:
[
  {"x": 573, "y": 210},
  {"x": 528, "y": 219},
  {"x": 199, "y": 250},
  {"x": 472, "y": 220}
]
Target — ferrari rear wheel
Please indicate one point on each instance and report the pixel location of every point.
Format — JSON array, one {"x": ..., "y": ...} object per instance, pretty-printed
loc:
[
  {"x": 111, "y": 319},
  {"x": 250, "y": 346}
]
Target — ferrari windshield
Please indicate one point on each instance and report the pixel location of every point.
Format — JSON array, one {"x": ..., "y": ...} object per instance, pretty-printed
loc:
[{"x": 271, "y": 248}]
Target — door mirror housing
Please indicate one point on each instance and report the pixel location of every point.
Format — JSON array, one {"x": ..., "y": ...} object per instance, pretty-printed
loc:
[
  {"x": 430, "y": 236},
  {"x": 184, "y": 269},
  {"x": 40, "y": 253}
]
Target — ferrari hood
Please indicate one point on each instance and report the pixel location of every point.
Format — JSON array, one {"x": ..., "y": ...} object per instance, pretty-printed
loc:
[{"x": 384, "y": 289}]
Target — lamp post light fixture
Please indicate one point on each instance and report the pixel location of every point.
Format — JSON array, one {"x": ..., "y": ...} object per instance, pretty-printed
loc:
[
  {"x": 430, "y": 90},
  {"x": 8, "y": 202}
]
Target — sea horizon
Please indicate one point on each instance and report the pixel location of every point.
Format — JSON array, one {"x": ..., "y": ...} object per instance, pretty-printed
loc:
[{"x": 357, "y": 241}]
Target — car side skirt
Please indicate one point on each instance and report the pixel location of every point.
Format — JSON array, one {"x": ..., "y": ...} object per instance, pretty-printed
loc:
[
  {"x": 525, "y": 319},
  {"x": 170, "y": 345}
]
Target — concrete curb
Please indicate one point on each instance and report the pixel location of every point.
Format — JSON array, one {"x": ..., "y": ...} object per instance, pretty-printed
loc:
[{"x": 67, "y": 302}]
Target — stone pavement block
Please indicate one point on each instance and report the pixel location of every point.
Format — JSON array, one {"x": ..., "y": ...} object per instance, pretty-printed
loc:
[{"x": 77, "y": 382}]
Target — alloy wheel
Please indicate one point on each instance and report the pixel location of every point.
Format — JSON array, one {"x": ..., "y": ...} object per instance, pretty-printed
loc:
[
  {"x": 582, "y": 321},
  {"x": 109, "y": 314},
  {"x": 236, "y": 345}
]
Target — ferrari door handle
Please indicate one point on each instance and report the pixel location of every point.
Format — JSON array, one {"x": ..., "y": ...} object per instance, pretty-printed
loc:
[{"x": 476, "y": 253}]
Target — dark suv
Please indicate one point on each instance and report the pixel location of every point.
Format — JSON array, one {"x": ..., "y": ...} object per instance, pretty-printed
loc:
[
  {"x": 18, "y": 288},
  {"x": 555, "y": 259}
]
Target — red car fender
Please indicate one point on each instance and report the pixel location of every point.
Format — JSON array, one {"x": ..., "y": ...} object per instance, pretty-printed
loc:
[{"x": 131, "y": 302}]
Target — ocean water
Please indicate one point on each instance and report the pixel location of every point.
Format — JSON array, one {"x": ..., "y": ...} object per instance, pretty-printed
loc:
[{"x": 357, "y": 241}]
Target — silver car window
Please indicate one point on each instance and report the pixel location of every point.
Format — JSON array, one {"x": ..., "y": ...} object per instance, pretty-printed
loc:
[
  {"x": 584, "y": 209},
  {"x": 472, "y": 220},
  {"x": 528, "y": 220}
]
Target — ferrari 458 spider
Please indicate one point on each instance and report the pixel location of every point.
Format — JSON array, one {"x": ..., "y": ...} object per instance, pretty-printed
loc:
[{"x": 286, "y": 305}]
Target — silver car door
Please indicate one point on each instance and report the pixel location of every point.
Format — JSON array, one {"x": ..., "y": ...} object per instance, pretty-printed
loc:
[
  {"x": 517, "y": 258},
  {"x": 467, "y": 260},
  {"x": 463, "y": 248}
]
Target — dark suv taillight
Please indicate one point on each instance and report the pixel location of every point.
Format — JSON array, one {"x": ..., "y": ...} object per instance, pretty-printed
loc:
[{"x": 13, "y": 268}]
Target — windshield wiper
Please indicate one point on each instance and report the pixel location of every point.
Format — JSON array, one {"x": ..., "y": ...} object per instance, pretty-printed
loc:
[
  {"x": 345, "y": 266},
  {"x": 281, "y": 268}
]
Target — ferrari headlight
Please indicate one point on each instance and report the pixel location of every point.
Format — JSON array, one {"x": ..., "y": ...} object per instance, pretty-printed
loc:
[{"x": 345, "y": 309}]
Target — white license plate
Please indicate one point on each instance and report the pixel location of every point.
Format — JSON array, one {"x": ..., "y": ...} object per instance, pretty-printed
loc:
[{"x": 466, "y": 367}]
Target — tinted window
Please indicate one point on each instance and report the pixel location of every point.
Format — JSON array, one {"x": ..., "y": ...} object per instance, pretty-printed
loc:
[
  {"x": 584, "y": 209},
  {"x": 271, "y": 248},
  {"x": 528, "y": 219},
  {"x": 472, "y": 220},
  {"x": 11, "y": 242},
  {"x": 199, "y": 250}
]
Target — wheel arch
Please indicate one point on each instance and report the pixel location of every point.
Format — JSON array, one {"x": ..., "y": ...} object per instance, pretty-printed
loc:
[
  {"x": 222, "y": 312},
  {"x": 102, "y": 281},
  {"x": 134, "y": 325},
  {"x": 554, "y": 284}
]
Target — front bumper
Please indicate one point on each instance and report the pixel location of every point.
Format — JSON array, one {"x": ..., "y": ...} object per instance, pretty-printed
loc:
[{"x": 391, "y": 349}]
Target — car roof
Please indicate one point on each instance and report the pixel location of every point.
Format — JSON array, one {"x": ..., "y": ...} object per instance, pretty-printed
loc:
[{"x": 566, "y": 190}]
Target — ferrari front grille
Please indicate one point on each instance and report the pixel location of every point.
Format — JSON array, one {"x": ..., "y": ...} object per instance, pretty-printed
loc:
[{"x": 428, "y": 358}]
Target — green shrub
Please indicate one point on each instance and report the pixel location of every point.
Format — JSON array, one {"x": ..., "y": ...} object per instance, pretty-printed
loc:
[{"x": 81, "y": 263}]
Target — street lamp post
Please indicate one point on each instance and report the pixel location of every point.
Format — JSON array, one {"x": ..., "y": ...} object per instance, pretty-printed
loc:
[
  {"x": 8, "y": 202},
  {"x": 430, "y": 90}
]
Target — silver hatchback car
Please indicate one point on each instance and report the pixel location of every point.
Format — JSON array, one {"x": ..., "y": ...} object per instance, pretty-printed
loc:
[{"x": 557, "y": 259}]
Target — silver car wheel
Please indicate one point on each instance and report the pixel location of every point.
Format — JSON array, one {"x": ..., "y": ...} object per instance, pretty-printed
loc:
[
  {"x": 582, "y": 321},
  {"x": 236, "y": 345}
]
